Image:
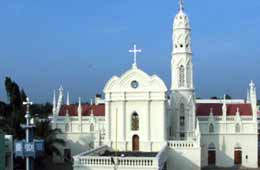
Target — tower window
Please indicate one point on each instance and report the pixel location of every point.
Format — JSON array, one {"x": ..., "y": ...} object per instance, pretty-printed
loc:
[
  {"x": 211, "y": 128},
  {"x": 187, "y": 45},
  {"x": 181, "y": 45},
  {"x": 91, "y": 127},
  {"x": 182, "y": 120},
  {"x": 181, "y": 76},
  {"x": 237, "y": 129},
  {"x": 135, "y": 121}
]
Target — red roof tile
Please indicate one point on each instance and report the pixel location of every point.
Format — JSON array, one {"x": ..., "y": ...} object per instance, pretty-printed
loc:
[
  {"x": 203, "y": 109},
  {"x": 98, "y": 110}
]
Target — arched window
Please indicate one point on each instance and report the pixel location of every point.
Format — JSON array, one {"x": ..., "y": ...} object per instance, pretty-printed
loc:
[
  {"x": 237, "y": 128},
  {"x": 211, "y": 128},
  {"x": 91, "y": 127},
  {"x": 182, "y": 115},
  {"x": 181, "y": 76},
  {"x": 211, "y": 146},
  {"x": 182, "y": 109},
  {"x": 135, "y": 121},
  {"x": 182, "y": 121}
]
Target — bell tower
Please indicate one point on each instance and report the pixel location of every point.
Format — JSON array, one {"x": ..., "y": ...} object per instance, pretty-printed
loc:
[{"x": 182, "y": 90}]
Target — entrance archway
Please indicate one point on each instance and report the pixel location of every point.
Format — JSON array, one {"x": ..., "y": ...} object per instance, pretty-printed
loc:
[
  {"x": 237, "y": 155},
  {"x": 135, "y": 143}
]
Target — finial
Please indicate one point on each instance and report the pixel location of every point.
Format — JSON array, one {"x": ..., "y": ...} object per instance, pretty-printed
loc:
[
  {"x": 238, "y": 110},
  {"x": 61, "y": 88},
  {"x": 211, "y": 110},
  {"x": 79, "y": 100},
  {"x": 135, "y": 51},
  {"x": 181, "y": 3},
  {"x": 252, "y": 84},
  {"x": 54, "y": 98},
  {"x": 68, "y": 99},
  {"x": 79, "y": 107}
]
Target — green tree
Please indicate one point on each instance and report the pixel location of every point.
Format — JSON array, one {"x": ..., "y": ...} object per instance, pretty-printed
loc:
[
  {"x": 52, "y": 142},
  {"x": 228, "y": 97},
  {"x": 13, "y": 114}
]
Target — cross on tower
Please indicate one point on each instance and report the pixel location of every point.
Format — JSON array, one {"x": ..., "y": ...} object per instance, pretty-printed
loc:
[
  {"x": 135, "y": 51},
  {"x": 27, "y": 103},
  {"x": 181, "y": 3}
]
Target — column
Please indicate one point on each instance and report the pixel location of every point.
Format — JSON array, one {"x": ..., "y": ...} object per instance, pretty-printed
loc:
[
  {"x": 122, "y": 112},
  {"x": 149, "y": 120},
  {"x": 108, "y": 121}
]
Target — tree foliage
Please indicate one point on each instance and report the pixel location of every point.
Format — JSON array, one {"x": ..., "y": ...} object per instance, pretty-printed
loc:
[{"x": 12, "y": 116}]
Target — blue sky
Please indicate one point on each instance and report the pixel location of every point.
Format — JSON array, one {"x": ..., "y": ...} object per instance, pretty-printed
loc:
[{"x": 81, "y": 44}]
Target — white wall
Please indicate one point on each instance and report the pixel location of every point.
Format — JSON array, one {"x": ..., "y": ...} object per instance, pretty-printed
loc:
[
  {"x": 184, "y": 159},
  {"x": 226, "y": 139}
]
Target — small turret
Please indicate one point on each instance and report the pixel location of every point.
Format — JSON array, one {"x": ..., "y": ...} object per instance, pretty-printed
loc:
[
  {"x": 68, "y": 99},
  {"x": 79, "y": 108},
  {"x": 248, "y": 97},
  {"x": 54, "y": 103},
  {"x": 253, "y": 99},
  {"x": 224, "y": 108},
  {"x": 60, "y": 99}
]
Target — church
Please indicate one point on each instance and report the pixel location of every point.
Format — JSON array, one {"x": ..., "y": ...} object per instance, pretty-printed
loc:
[{"x": 143, "y": 124}]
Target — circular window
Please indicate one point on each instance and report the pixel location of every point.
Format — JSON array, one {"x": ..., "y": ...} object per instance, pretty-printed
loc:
[
  {"x": 134, "y": 84},
  {"x": 181, "y": 45}
]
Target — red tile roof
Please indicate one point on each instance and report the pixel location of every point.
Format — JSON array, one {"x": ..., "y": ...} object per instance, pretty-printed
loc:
[
  {"x": 98, "y": 110},
  {"x": 203, "y": 109}
]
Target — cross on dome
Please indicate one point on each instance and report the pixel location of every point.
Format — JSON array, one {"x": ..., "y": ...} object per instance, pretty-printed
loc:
[{"x": 135, "y": 51}]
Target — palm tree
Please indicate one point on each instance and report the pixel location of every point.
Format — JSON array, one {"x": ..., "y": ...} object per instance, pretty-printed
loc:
[
  {"x": 52, "y": 143},
  {"x": 50, "y": 136}
]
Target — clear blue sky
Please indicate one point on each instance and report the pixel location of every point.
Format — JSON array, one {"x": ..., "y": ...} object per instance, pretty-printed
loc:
[{"x": 81, "y": 44}]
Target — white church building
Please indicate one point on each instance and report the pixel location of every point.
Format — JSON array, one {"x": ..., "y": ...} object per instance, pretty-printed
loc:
[{"x": 139, "y": 126}]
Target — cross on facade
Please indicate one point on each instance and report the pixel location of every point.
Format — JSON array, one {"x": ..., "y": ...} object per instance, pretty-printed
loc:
[
  {"x": 27, "y": 103},
  {"x": 135, "y": 51}
]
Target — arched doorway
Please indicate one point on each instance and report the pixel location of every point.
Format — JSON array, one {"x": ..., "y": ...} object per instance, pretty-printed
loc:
[
  {"x": 135, "y": 143},
  {"x": 212, "y": 155},
  {"x": 237, "y": 155}
]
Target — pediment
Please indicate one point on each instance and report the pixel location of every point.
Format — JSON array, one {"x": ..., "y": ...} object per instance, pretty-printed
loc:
[{"x": 145, "y": 82}]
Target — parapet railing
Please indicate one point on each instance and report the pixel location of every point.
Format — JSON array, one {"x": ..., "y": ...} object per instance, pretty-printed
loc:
[
  {"x": 115, "y": 161},
  {"x": 182, "y": 144}
]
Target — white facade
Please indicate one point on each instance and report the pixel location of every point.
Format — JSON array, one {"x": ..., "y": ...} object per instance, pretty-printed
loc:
[
  {"x": 146, "y": 99},
  {"x": 185, "y": 133}
]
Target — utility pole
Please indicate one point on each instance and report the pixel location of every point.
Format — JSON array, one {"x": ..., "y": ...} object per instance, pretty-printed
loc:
[{"x": 28, "y": 146}]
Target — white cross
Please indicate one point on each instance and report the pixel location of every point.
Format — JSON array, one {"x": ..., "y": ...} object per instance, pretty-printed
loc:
[
  {"x": 135, "y": 51},
  {"x": 27, "y": 103}
]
